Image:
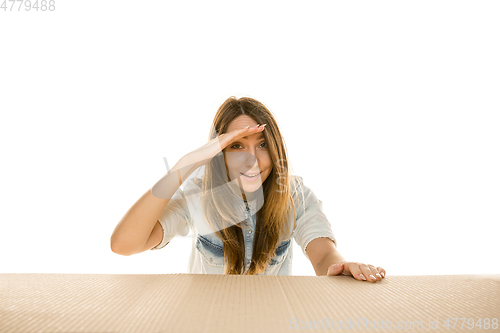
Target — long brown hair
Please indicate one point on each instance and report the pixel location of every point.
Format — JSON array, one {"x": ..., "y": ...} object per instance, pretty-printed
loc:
[{"x": 219, "y": 202}]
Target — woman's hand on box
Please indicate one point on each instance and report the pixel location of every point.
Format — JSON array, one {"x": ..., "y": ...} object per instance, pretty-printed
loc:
[{"x": 357, "y": 270}]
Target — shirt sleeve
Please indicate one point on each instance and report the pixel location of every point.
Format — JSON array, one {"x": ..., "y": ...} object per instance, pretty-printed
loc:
[
  {"x": 174, "y": 219},
  {"x": 311, "y": 221}
]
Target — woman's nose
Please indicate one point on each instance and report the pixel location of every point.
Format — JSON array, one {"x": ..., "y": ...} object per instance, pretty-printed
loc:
[{"x": 250, "y": 158}]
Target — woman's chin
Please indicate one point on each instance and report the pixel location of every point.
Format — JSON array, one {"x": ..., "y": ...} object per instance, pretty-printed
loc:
[{"x": 251, "y": 187}]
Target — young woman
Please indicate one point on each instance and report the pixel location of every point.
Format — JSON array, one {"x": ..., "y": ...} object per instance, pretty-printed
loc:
[{"x": 243, "y": 210}]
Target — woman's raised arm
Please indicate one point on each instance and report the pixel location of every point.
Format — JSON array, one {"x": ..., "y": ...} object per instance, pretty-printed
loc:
[{"x": 136, "y": 226}]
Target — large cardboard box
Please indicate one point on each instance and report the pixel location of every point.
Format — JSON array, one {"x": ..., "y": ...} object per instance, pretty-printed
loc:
[{"x": 228, "y": 303}]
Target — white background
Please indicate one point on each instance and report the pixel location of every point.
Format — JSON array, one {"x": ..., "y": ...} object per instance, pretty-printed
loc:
[{"x": 389, "y": 109}]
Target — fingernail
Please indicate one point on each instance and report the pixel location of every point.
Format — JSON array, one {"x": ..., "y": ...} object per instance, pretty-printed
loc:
[
  {"x": 382, "y": 273},
  {"x": 378, "y": 275},
  {"x": 263, "y": 125},
  {"x": 372, "y": 277},
  {"x": 362, "y": 277}
]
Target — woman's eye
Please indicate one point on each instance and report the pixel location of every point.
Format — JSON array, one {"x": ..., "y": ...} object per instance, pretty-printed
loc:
[{"x": 233, "y": 146}]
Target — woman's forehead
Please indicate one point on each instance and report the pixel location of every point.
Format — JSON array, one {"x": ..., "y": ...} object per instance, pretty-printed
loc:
[{"x": 241, "y": 122}]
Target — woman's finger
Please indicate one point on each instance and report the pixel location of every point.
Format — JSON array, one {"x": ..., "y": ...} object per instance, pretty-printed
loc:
[
  {"x": 381, "y": 271},
  {"x": 234, "y": 135},
  {"x": 363, "y": 272},
  {"x": 246, "y": 130},
  {"x": 375, "y": 272},
  {"x": 228, "y": 138},
  {"x": 243, "y": 131},
  {"x": 353, "y": 268},
  {"x": 367, "y": 272}
]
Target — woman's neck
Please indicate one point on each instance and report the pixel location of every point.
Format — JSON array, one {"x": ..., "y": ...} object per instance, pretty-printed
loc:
[{"x": 246, "y": 199}]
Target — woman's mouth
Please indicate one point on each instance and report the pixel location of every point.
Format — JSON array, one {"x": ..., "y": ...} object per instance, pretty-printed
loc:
[{"x": 250, "y": 176}]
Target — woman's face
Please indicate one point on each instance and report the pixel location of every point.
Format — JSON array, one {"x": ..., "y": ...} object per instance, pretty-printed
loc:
[{"x": 248, "y": 155}]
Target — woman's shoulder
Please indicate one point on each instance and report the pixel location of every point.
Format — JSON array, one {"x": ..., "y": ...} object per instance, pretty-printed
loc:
[
  {"x": 296, "y": 183},
  {"x": 295, "y": 179}
]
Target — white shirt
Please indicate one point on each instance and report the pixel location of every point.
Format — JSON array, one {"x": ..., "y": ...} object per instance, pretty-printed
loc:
[{"x": 183, "y": 212}]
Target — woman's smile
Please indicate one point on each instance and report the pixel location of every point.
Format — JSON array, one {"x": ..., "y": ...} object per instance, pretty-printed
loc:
[{"x": 247, "y": 177}]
